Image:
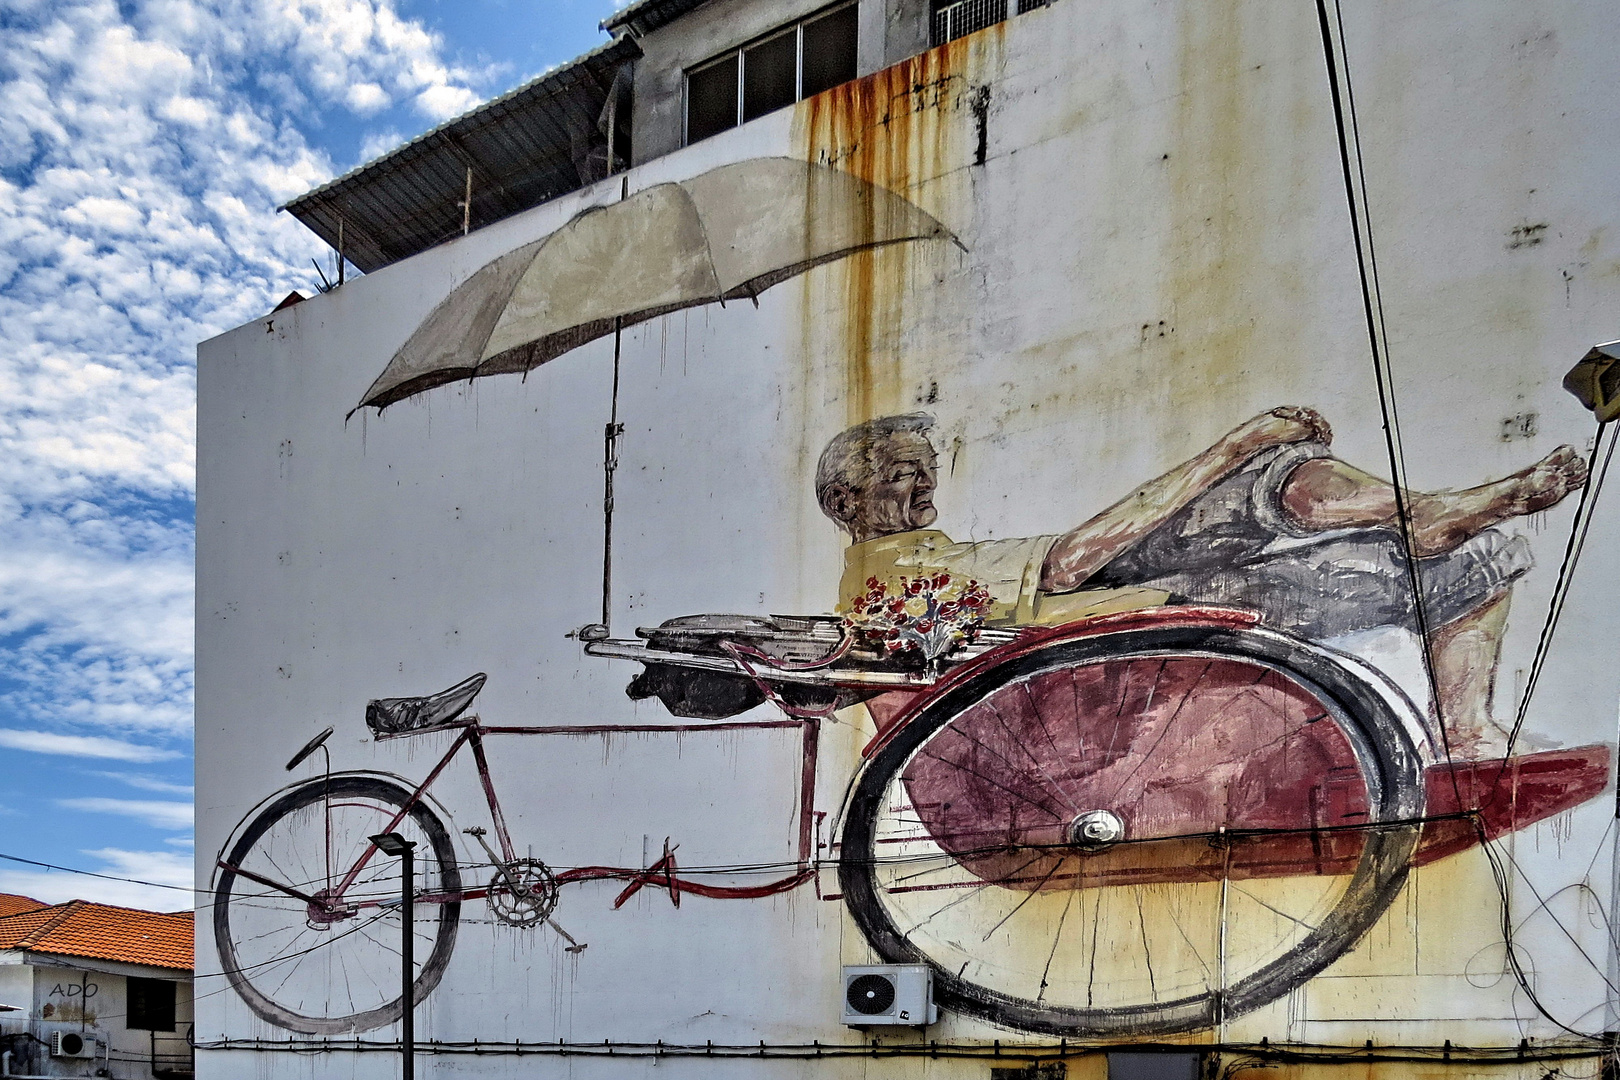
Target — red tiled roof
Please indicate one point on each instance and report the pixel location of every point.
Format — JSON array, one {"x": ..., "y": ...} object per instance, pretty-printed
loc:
[
  {"x": 102, "y": 932},
  {"x": 11, "y": 904}
]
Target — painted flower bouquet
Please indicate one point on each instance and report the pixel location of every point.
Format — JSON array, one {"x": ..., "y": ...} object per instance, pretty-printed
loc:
[{"x": 930, "y": 615}]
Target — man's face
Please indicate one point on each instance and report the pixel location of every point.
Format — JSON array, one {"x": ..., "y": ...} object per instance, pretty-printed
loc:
[{"x": 900, "y": 496}]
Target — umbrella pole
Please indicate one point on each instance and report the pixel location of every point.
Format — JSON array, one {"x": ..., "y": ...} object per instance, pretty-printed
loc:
[{"x": 610, "y": 462}]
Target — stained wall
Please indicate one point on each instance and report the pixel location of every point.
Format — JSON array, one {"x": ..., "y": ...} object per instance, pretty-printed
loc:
[{"x": 1154, "y": 246}]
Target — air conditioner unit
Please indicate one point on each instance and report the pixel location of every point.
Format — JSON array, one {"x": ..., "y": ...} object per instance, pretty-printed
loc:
[
  {"x": 889, "y": 995},
  {"x": 70, "y": 1044}
]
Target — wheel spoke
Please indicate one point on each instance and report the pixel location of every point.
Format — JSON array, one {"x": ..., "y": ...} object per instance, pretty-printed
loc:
[
  {"x": 340, "y": 984},
  {"x": 1031, "y": 895},
  {"x": 1147, "y": 952},
  {"x": 966, "y": 896},
  {"x": 1020, "y": 796},
  {"x": 1024, "y": 746},
  {"x": 1056, "y": 938},
  {"x": 1168, "y": 724}
]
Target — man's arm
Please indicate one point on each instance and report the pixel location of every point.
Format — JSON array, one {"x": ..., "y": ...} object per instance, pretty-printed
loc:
[{"x": 1082, "y": 552}]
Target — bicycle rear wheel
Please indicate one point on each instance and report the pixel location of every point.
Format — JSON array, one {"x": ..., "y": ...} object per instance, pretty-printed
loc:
[
  {"x": 332, "y": 971},
  {"x": 1143, "y": 832}
]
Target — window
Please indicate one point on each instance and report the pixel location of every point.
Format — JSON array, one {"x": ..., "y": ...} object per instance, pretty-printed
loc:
[
  {"x": 711, "y": 99},
  {"x": 765, "y": 75},
  {"x": 150, "y": 1006},
  {"x": 829, "y": 51},
  {"x": 769, "y": 78}
]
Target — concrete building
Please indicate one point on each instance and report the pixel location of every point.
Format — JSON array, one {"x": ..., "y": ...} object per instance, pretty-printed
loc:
[
  {"x": 95, "y": 990},
  {"x": 932, "y": 540}
]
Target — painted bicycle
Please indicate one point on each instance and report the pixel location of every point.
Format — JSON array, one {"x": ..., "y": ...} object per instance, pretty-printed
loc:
[{"x": 1140, "y": 823}]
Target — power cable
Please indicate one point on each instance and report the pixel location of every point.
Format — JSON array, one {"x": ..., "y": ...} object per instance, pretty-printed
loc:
[
  {"x": 1585, "y": 509},
  {"x": 104, "y": 877},
  {"x": 1377, "y": 340}
]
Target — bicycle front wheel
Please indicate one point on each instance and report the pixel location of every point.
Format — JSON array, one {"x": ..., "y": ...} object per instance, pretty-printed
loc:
[{"x": 333, "y": 967}]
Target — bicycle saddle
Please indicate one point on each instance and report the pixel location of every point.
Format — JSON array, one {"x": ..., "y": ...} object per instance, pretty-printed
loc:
[{"x": 389, "y": 717}]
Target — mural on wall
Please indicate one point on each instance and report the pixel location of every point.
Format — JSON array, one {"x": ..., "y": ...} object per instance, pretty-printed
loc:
[{"x": 1095, "y": 752}]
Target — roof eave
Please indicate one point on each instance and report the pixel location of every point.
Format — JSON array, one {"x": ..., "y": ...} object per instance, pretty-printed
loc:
[
  {"x": 645, "y": 16},
  {"x": 466, "y": 119},
  {"x": 75, "y": 962},
  {"x": 401, "y": 203}
]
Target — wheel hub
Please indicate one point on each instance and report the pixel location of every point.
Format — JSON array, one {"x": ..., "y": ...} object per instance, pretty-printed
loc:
[
  {"x": 1094, "y": 830},
  {"x": 325, "y": 910}
]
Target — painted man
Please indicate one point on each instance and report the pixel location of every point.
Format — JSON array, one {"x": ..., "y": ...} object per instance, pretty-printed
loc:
[{"x": 1265, "y": 519}]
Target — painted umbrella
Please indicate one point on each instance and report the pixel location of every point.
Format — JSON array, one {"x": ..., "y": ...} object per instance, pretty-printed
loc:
[{"x": 727, "y": 234}]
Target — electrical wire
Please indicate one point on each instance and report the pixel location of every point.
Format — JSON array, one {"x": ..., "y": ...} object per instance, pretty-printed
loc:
[
  {"x": 1585, "y": 509},
  {"x": 104, "y": 877},
  {"x": 1015, "y": 1053},
  {"x": 1366, "y": 261},
  {"x": 1355, "y": 179}
]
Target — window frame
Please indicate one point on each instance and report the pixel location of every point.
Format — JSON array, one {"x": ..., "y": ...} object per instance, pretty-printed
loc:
[
  {"x": 739, "y": 53},
  {"x": 146, "y": 1012}
]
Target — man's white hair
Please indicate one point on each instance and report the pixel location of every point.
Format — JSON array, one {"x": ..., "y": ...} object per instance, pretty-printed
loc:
[{"x": 851, "y": 456}]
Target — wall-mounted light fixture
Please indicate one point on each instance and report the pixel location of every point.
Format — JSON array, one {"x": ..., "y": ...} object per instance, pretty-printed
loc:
[{"x": 1596, "y": 381}]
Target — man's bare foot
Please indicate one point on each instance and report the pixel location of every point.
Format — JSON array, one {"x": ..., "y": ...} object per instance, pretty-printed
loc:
[{"x": 1546, "y": 482}]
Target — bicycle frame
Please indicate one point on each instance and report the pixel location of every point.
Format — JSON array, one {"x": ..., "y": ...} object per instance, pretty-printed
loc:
[{"x": 330, "y": 903}]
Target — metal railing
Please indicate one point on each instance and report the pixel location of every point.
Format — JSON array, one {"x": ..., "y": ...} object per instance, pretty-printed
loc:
[
  {"x": 172, "y": 1056},
  {"x": 966, "y": 16}
]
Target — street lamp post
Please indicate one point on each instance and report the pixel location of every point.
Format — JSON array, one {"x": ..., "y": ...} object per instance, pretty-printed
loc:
[{"x": 396, "y": 845}]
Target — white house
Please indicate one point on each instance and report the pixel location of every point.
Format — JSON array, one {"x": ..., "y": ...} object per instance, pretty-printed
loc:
[{"x": 94, "y": 990}]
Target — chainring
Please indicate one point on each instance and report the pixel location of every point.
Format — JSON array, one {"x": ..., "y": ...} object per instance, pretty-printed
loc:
[{"x": 523, "y": 892}]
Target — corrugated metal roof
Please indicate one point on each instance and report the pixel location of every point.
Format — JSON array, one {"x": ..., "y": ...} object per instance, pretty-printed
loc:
[
  {"x": 524, "y": 147},
  {"x": 645, "y": 16}
]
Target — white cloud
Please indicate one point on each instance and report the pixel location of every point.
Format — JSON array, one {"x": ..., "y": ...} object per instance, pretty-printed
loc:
[
  {"x": 442, "y": 101},
  {"x": 160, "y": 815},
  {"x": 143, "y": 151},
  {"x": 85, "y": 746},
  {"x": 378, "y": 143},
  {"x": 149, "y": 783},
  {"x": 366, "y": 98},
  {"x": 159, "y": 867}
]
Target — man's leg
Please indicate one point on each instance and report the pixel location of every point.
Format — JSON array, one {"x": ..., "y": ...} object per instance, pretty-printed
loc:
[
  {"x": 1464, "y": 653},
  {"x": 1328, "y": 494}
]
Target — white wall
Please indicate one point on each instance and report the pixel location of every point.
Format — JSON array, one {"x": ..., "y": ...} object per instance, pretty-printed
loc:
[{"x": 1157, "y": 248}]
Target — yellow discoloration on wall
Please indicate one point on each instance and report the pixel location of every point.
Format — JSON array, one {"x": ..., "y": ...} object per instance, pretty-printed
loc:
[
  {"x": 1236, "y": 176},
  {"x": 1576, "y": 1069},
  {"x": 902, "y": 128}
]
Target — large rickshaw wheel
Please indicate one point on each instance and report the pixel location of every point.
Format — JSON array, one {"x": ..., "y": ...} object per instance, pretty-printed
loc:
[{"x": 1139, "y": 832}]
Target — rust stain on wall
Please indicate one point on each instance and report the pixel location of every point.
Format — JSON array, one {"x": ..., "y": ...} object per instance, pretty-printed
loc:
[
  {"x": 901, "y": 128},
  {"x": 1210, "y": 176}
]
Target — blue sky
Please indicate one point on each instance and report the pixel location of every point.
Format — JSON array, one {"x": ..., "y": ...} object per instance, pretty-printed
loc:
[{"x": 144, "y": 148}]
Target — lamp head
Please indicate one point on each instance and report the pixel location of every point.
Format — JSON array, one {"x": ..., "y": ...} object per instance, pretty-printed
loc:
[
  {"x": 390, "y": 843},
  {"x": 1596, "y": 381}
]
